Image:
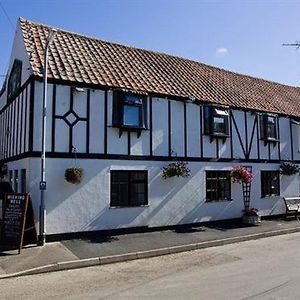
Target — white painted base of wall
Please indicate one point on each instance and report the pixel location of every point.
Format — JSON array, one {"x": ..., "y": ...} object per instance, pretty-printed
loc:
[{"x": 86, "y": 207}]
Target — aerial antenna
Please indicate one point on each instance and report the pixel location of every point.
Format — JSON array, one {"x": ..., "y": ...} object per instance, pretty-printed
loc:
[{"x": 296, "y": 44}]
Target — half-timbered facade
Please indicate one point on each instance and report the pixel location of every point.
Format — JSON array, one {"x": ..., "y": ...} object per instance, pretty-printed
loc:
[{"x": 122, "y": 114}]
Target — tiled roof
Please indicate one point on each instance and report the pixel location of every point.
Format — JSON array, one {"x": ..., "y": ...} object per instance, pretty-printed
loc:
[{"x": 78, "y": 58}]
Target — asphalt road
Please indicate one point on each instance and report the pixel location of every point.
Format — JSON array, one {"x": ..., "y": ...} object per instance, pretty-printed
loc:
[{"x": 262, "y": 269}]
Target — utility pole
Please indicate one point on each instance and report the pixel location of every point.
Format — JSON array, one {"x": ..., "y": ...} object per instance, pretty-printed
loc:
[{"x": 42, "y": 231}]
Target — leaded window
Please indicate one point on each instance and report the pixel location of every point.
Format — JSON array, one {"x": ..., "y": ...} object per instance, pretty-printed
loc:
[
  {"x": 14, "y": 80},
  {"x": 268, "y": 127},
  {"x": 128, "y": 188},
  {"x": 129, "y": 110},
  {"x": 218, "y": 186},
  {"x": 270, "y": 185},
  {"x": 216, "y": 121}
]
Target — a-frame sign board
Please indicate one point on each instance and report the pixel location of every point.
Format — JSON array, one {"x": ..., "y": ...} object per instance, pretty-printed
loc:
[{"x": 18, "y": 221}]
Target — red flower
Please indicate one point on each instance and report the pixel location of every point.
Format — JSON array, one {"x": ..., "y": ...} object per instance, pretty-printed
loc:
[{"x": 241, "y": 174}]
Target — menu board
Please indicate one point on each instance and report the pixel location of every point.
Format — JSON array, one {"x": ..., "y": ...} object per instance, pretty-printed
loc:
[{"x": 15, "y": 210}]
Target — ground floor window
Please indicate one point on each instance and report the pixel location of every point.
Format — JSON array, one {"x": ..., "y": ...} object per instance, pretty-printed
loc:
[
  {"x": 10, "y": 177},
  {"x": 23, "y": 181},
  {"x": 16, "y": 181},
  {"x": 128, "y": 188},
  {"x": 270, "y": 185},
  {"x": 218, "y": 186}
]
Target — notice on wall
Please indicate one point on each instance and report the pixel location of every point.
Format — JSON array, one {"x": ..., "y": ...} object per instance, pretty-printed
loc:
[{"x": 17, "y": 219}]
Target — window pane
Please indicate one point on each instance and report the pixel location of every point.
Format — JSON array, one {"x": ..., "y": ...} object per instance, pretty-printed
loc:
[
  {"x": 217, "y": 185},
  {"x": 219, "y": 125},
  {"x": 270, "y": 183},
  {"x": 23, "y": 181},
  {"x": 119, "y": 176},
  {"x": 271, "y": 131},
  {"x": 132, "y": 99},
  {"x": 128, "y": 188},
  {"x": 131, "y": 115},
  {"x": 16, "y": 181},
  {"x": 119, "y": 188},
  {"x": 137, "y": 196},
  {"x": 138, "y": 175}
]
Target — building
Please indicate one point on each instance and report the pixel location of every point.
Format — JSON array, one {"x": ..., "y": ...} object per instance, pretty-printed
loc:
[{"x": 122, "y": 114}]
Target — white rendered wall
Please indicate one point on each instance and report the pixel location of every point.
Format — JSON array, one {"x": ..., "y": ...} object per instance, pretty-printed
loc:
[
  {"x": 18, "y": 52},
  {"x": 242, "y": 125},
  {"x": 85, "y": 207}
]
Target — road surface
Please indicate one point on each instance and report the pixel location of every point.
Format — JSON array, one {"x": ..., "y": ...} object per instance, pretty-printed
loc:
[{"x": 262, "y": 269}]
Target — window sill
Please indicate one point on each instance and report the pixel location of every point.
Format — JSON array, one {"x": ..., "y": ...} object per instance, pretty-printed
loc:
[
  {"x": 217, "y": 201},
  {"x": 222, "y": 136},
  {"x": 116, "y": 207},
  {"x": 270, "y": 141},
  {"x": 270, "y": 196},
  {"x": 136, "y": 129}
]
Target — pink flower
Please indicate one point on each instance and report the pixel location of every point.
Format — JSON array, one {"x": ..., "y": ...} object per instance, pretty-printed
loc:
[{"x": 241, "y": 175}]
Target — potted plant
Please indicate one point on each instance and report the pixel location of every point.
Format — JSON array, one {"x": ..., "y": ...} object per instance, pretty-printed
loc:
[
  {"x": 288, "y": 169},
  {"x": 178, "y": 168},
  {"x": 250, "y": 216},
  {"x": 244, "y": 176},
  {"x": 74, "y": 175}
]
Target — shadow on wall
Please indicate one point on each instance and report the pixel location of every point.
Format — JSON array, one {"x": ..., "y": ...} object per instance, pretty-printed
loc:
[
  {"x": 124, "y": 217},
  {"x": 213, "y": 211},
  {"x": 88, "y": 203}
]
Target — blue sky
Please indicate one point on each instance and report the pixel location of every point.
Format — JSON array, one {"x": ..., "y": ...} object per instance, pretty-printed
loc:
[{"x": 241, "y": 36}]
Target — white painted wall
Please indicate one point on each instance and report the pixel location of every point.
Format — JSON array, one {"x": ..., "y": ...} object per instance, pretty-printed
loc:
[
  {"x": 175, "y": 201},
  {"x": 160, "y": 126},
  {"x": 85, "y": 207},
  {"x": 18, "y": 52}
]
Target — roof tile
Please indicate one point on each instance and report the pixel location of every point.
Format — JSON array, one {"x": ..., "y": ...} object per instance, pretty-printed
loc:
[{"x": 79, "y": 58}]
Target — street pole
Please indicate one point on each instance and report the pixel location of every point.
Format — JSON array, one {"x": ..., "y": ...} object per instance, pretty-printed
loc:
[{"x": 42, "y": 219}]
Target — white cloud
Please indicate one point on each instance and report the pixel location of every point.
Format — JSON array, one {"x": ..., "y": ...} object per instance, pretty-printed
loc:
[{"x": 221, "y": 51}]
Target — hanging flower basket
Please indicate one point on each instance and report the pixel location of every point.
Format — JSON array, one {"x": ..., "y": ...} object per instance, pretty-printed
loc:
[
  {"x": 178, "y": 168},
  {"x": 74, "y": 175},
  {"x": 241, "y": 175},
  {"x": 288, "y": 169}
]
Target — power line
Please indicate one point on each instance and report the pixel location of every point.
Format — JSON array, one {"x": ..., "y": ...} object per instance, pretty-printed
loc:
[
  {"x": 296, "y": 44},
  {"x": 7, "y": 16}
]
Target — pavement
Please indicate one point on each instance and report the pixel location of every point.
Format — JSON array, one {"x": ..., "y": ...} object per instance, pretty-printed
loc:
[{"x": 98, "y": 249}]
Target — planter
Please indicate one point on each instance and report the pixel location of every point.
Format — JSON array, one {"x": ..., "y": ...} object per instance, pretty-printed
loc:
[
  {"x": 176, "y": 169},
  {"x": 289, "y": 169},
  {"x": 251, "y": 220},
  {"x": 74, "y": 175}
]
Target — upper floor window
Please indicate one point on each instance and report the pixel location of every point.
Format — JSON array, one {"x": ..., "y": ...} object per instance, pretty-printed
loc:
[
  {"x": 268, "y": 127},
  {"x": 270, "y": 185},
  {"x": 14, "y": 80},
  {"x": 218, "y": 186},
  {"x": 129, "y": 110},
  {"x": 216, "y": 121}
]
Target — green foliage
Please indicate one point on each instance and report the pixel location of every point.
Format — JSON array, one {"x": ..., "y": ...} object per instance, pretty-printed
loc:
[
  {"x": 288, "y": 168},
  {"x": 178, "y": 168},
  {"x": 74, "y": 175}
]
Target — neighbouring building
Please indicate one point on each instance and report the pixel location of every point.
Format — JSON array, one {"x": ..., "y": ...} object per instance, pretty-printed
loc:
[{"x": 122, "y": 114}]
